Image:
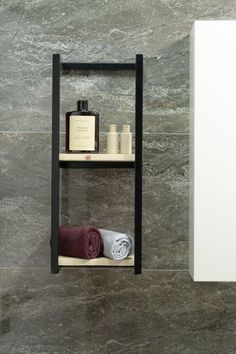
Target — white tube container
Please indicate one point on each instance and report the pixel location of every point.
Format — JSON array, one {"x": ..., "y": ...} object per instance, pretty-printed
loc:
[
  {"x": 125, "y": 140},
  {"x": 212, "y": 151},
  {"x": 112, "y": 140}
]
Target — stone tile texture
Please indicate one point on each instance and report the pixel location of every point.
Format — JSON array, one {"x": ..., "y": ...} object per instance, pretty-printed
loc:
[
  {"x": 109, "y": 310},
  {"x": 31, "y": 31}
]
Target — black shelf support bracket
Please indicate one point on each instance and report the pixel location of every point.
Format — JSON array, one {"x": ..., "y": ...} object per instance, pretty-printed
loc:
[
  {"x": 138, "y": 163},
  {"x": 55, "y": 161}
]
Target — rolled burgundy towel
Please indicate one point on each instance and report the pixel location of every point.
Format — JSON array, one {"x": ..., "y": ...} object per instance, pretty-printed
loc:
[{"x": 80, "y": 241}]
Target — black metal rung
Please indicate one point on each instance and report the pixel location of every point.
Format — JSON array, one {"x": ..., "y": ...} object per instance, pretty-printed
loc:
[{"x": 98, "y": 66}]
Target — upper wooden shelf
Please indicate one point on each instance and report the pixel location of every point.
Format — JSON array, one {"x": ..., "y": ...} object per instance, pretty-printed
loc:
[
  {"x": 71, "y": 160},
  {"x": 96, "y": 157}
]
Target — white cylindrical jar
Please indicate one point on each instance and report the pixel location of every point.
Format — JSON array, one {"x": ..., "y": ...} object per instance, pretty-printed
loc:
[
  {"x": 112, "y": 140},
  {"x": 125, "y": 140}
]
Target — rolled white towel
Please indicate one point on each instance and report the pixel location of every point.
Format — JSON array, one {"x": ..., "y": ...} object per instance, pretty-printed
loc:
[{"x": 116, "y": 245}]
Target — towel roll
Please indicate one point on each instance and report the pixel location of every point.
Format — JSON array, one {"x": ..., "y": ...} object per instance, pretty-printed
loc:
[
  {"x": 116, "y": 245},
  {"x": 80, "y": 241}
]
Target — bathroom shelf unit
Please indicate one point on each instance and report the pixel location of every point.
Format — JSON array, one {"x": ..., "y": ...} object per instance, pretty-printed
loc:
[{"x": 61, "y": 160}]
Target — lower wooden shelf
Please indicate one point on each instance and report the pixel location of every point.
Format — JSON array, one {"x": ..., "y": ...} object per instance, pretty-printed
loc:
[{"x": 101, "y": 262}]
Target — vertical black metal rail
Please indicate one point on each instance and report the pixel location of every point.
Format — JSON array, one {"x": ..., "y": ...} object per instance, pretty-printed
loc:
[
  {"x": 138, "y": 163},
  {"x": 65, "y": 183},
  {"x": 55, "y": 162}
]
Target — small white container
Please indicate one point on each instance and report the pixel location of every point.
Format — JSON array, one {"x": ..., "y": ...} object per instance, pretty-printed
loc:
[
  {"x": 112, "y": 140},
  {"x": 125, "y": 140}
]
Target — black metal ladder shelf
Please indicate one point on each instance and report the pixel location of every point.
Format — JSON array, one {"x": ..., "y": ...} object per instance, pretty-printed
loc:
[{"x": 59, "y": 68}]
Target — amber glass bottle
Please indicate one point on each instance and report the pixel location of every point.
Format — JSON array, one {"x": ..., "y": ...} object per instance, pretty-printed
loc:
[{"x": 82, "y": 130}]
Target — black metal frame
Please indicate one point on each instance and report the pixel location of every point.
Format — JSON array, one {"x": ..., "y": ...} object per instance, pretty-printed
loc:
[{"x": 57, "y": 68}]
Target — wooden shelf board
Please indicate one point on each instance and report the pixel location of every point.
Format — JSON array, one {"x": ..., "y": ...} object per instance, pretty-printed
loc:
[
  {"x": 96, "y": 157},
  {"x": 102, "y": 261}
]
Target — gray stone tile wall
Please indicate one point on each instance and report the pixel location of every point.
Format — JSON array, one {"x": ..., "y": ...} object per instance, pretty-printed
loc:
[
  {"x": 112, "y": 311},
  {"x": 90, "y": 311},
  {"x": 31, "y": 31}
]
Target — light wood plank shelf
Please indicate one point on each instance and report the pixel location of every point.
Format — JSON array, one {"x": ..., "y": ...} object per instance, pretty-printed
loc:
[
  {"x": 101, "y": 261},
  {"x": 96, "y": 157}
]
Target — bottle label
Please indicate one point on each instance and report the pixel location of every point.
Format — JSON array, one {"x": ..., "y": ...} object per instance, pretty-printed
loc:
[{"x": 82, "y": 133}]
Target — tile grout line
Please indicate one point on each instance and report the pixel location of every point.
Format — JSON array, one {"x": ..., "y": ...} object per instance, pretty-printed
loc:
[
  {"x": 102, "y": 133},
  {"x": 104, "y": 269}
]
